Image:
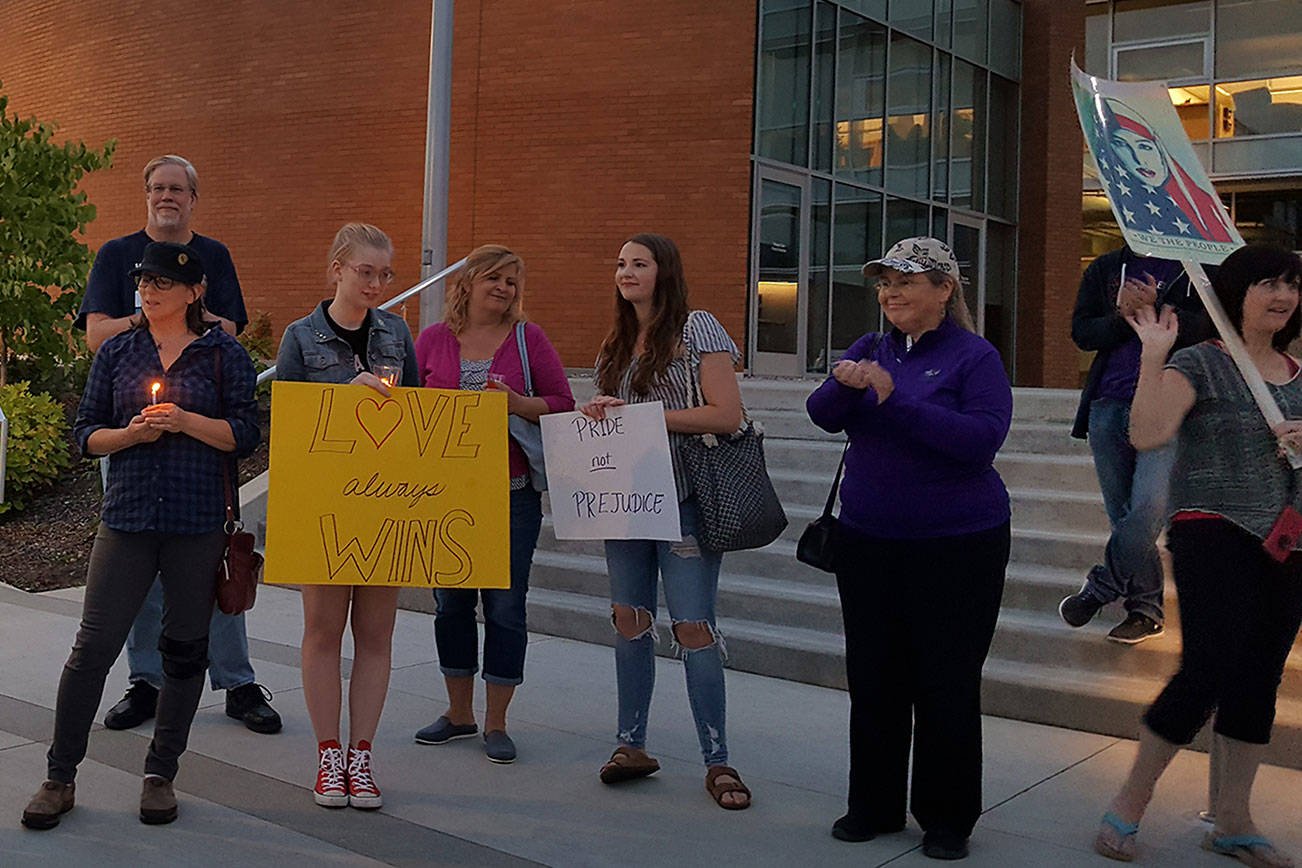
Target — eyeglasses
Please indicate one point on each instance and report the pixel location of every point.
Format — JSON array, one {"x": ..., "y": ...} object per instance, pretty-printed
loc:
[
  {"x": 157, "y": 281},
  {"x": 160, "y": 189},
  {"x": 370, "y": 275},
  {"x": 901, "y": 282}
]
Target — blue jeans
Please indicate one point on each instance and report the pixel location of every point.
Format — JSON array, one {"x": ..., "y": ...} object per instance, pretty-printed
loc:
[
  {"x": 505, "y": 633},
  {"x": 1135, "y": 488},
  {"x": 228, "y": 646},
  {"x": 691, "y": 580}
]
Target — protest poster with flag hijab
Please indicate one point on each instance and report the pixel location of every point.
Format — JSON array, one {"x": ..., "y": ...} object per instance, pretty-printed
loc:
[{"x": 1159, "y": 191}]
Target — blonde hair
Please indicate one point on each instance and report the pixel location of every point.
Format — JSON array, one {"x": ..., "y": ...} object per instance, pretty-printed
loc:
[
  {"x": 956, "y": 308},
  {"x": 481, "y": 261},
  {"x": 350, "y": 237},
  {"x": 191, "y": 175}
]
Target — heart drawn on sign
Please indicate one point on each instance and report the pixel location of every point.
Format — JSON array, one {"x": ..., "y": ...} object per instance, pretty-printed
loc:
[{"x": 379, "y": 419}]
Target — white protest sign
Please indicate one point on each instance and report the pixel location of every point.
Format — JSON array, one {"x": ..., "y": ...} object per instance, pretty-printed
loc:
[{"x": 611, "y": 479}]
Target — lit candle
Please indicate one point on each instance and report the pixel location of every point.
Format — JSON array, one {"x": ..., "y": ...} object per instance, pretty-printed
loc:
[{"x": 153, "y": 392}]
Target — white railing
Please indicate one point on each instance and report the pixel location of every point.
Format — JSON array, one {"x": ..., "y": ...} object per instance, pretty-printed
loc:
[
  {"x": 4, "y": 447},
  {"x": 398, "y": 299}
]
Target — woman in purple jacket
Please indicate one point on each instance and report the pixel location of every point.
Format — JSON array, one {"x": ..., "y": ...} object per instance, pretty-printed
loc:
[
  {"x": 476, "y": 348},
  {"x": 921, "y": 547}
]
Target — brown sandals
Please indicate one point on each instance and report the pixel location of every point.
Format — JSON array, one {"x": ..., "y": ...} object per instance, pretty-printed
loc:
[
  {"x": 627, "y": 763},
  {"x": 718, "y": 789}
]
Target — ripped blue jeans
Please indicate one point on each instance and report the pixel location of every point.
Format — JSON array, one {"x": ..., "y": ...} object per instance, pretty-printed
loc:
[{"x": 691, "y": 581}]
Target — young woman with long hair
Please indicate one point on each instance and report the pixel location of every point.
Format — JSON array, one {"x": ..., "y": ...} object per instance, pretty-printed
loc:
[{"x": 655, "y": 350}]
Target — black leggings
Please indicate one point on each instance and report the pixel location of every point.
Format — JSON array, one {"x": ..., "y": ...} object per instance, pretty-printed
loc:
[
  {"x": 1239, "y": 614},
  {"x": 919, "y": 618}
]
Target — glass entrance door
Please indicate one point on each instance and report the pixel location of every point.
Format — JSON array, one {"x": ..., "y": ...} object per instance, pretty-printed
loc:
[{"x": 780, "y": 266}]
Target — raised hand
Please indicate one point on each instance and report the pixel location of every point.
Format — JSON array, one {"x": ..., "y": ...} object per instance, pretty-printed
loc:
[{"x": 1157, "y": 332}]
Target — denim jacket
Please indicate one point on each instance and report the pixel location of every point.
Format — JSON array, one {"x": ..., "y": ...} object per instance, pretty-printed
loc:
[{"x": 311, "y": 352}]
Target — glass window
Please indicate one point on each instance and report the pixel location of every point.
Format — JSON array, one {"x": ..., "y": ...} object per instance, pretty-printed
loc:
[
  {"x": 940, "y": 137},
  {"x": 1147, "y": 20},
  {"x": 860, "y": 98},
  {"x": 779, "y": 268},
  {"x": 1254, "y": 156},
  {"x": 1270, "y": 218},
  {"x": 1096, "y": 41},
  {"x": 1259, "y": 108},
  {"x": 1162, "y": 62},
  {"x": 874, "y": 8},
  {"x": 1002, "y": 184},
  {"x": 1001, "y": 290},
  {"x": 1257, "y": 36},
  {"x": 908, "y": 116},
  {"x": 820, "y": 276},
  {"x": 905, "y": 219},
  {"x": 856, "y": 238},
  {"x": 939, "y": 224},
  {"x": 912, "y": 16},
  {"x": 944, "y": 22},
  {"x": 1006, "y": 38},
  {"x": 783, "y": 110},
  {"x": 824, "y": 87},
  {"x": 1191, "y": 105},
  {"x": 967, "y": 137},
  {"x": 970, "y": 29}
]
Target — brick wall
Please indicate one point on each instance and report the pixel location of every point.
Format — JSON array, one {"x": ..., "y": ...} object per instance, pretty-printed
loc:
[
  {"x": 1049, "y": 230},
  {"x": 596, "y": 121},
  {"x": 574, "y": 125},
  {"x": 297, "y": 121}
]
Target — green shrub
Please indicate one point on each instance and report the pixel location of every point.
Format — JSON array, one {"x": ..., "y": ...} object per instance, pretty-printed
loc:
[
  {"x": 259, "y": 342},
  {"x": 38, "y": 444}
]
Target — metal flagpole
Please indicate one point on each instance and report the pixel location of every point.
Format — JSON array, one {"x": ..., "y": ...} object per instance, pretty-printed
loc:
[{"x": 434, "y": 231}]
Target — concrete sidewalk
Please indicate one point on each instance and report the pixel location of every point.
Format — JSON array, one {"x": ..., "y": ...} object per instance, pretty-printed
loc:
[{"x": 245, "y": 799}]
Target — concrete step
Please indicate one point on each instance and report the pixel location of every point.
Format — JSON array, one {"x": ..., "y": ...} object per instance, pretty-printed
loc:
[
  {"x": 1107, "y": 703},
  {"x": 1058, "y": 695},
  {"x": 812, "y": 656},
  {"x": 1043, "y": 438},
  {"x": 1045, "y": 405},
  {"x": 1054, "y": 472}
]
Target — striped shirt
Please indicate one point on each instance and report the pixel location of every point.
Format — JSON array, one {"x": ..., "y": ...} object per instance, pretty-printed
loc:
[
  {"x": 474, "y": 378},
  {"x": 701, "y": 334}
]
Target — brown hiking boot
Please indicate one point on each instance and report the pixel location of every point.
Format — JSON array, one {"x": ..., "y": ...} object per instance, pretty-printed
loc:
[
  {"x": 157, "y": 801},
  {"x": 51, "y": 801}
]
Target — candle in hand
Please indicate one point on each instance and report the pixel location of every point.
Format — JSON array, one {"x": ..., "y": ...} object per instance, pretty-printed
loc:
[{"x": 153, "y": 392}]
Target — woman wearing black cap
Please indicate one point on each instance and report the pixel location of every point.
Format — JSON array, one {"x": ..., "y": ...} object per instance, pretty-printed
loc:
[{"x": 171, "y": 400}]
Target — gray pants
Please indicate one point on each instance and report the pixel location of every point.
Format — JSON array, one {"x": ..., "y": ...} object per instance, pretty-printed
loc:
[{"x": 122, "y": 569}]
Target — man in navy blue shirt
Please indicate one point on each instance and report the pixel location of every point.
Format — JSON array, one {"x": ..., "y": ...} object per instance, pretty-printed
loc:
[{"x": 111, "y": 306}]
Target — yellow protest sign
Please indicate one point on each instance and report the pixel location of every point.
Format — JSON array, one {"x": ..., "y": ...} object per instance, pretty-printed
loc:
[{"x": 410, "y": 490}]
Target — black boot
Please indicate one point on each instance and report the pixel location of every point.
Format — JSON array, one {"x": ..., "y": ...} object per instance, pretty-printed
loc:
[
  {"x": 137, "y": 705},
  {"x": 248, "y": 703}
]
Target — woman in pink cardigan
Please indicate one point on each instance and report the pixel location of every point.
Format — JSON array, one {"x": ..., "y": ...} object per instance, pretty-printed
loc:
[{"x": 477, "y": 347}]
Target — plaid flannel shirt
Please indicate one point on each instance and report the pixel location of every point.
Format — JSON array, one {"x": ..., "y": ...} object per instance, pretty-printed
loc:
[{"x": 174, "y": 484}]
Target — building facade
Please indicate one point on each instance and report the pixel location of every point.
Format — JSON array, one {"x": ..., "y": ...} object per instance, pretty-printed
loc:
[{"x": 781, "y": 142}]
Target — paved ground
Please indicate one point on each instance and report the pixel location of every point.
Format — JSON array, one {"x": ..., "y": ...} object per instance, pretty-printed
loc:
[{"x": 244, "y": 797}]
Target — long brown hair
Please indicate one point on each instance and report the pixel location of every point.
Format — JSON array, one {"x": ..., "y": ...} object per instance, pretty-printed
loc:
[
  {"x": 664, "y": 334},
  {"x": 485, "y": 259}
]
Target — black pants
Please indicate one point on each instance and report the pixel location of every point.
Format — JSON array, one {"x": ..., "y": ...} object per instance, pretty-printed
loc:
[
  {"x": 919, "y": 618},
  {"x": 1239, "y": 615},
  {"x": 122, "y": 570}
]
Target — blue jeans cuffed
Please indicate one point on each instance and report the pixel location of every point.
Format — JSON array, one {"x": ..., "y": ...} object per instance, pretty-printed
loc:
[{"x": 506, "y": 633}]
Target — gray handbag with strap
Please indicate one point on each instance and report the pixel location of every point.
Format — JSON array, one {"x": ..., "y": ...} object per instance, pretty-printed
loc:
[
  {"x": 739, "y": 507},
  {"x": 526, "y": 434}
]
